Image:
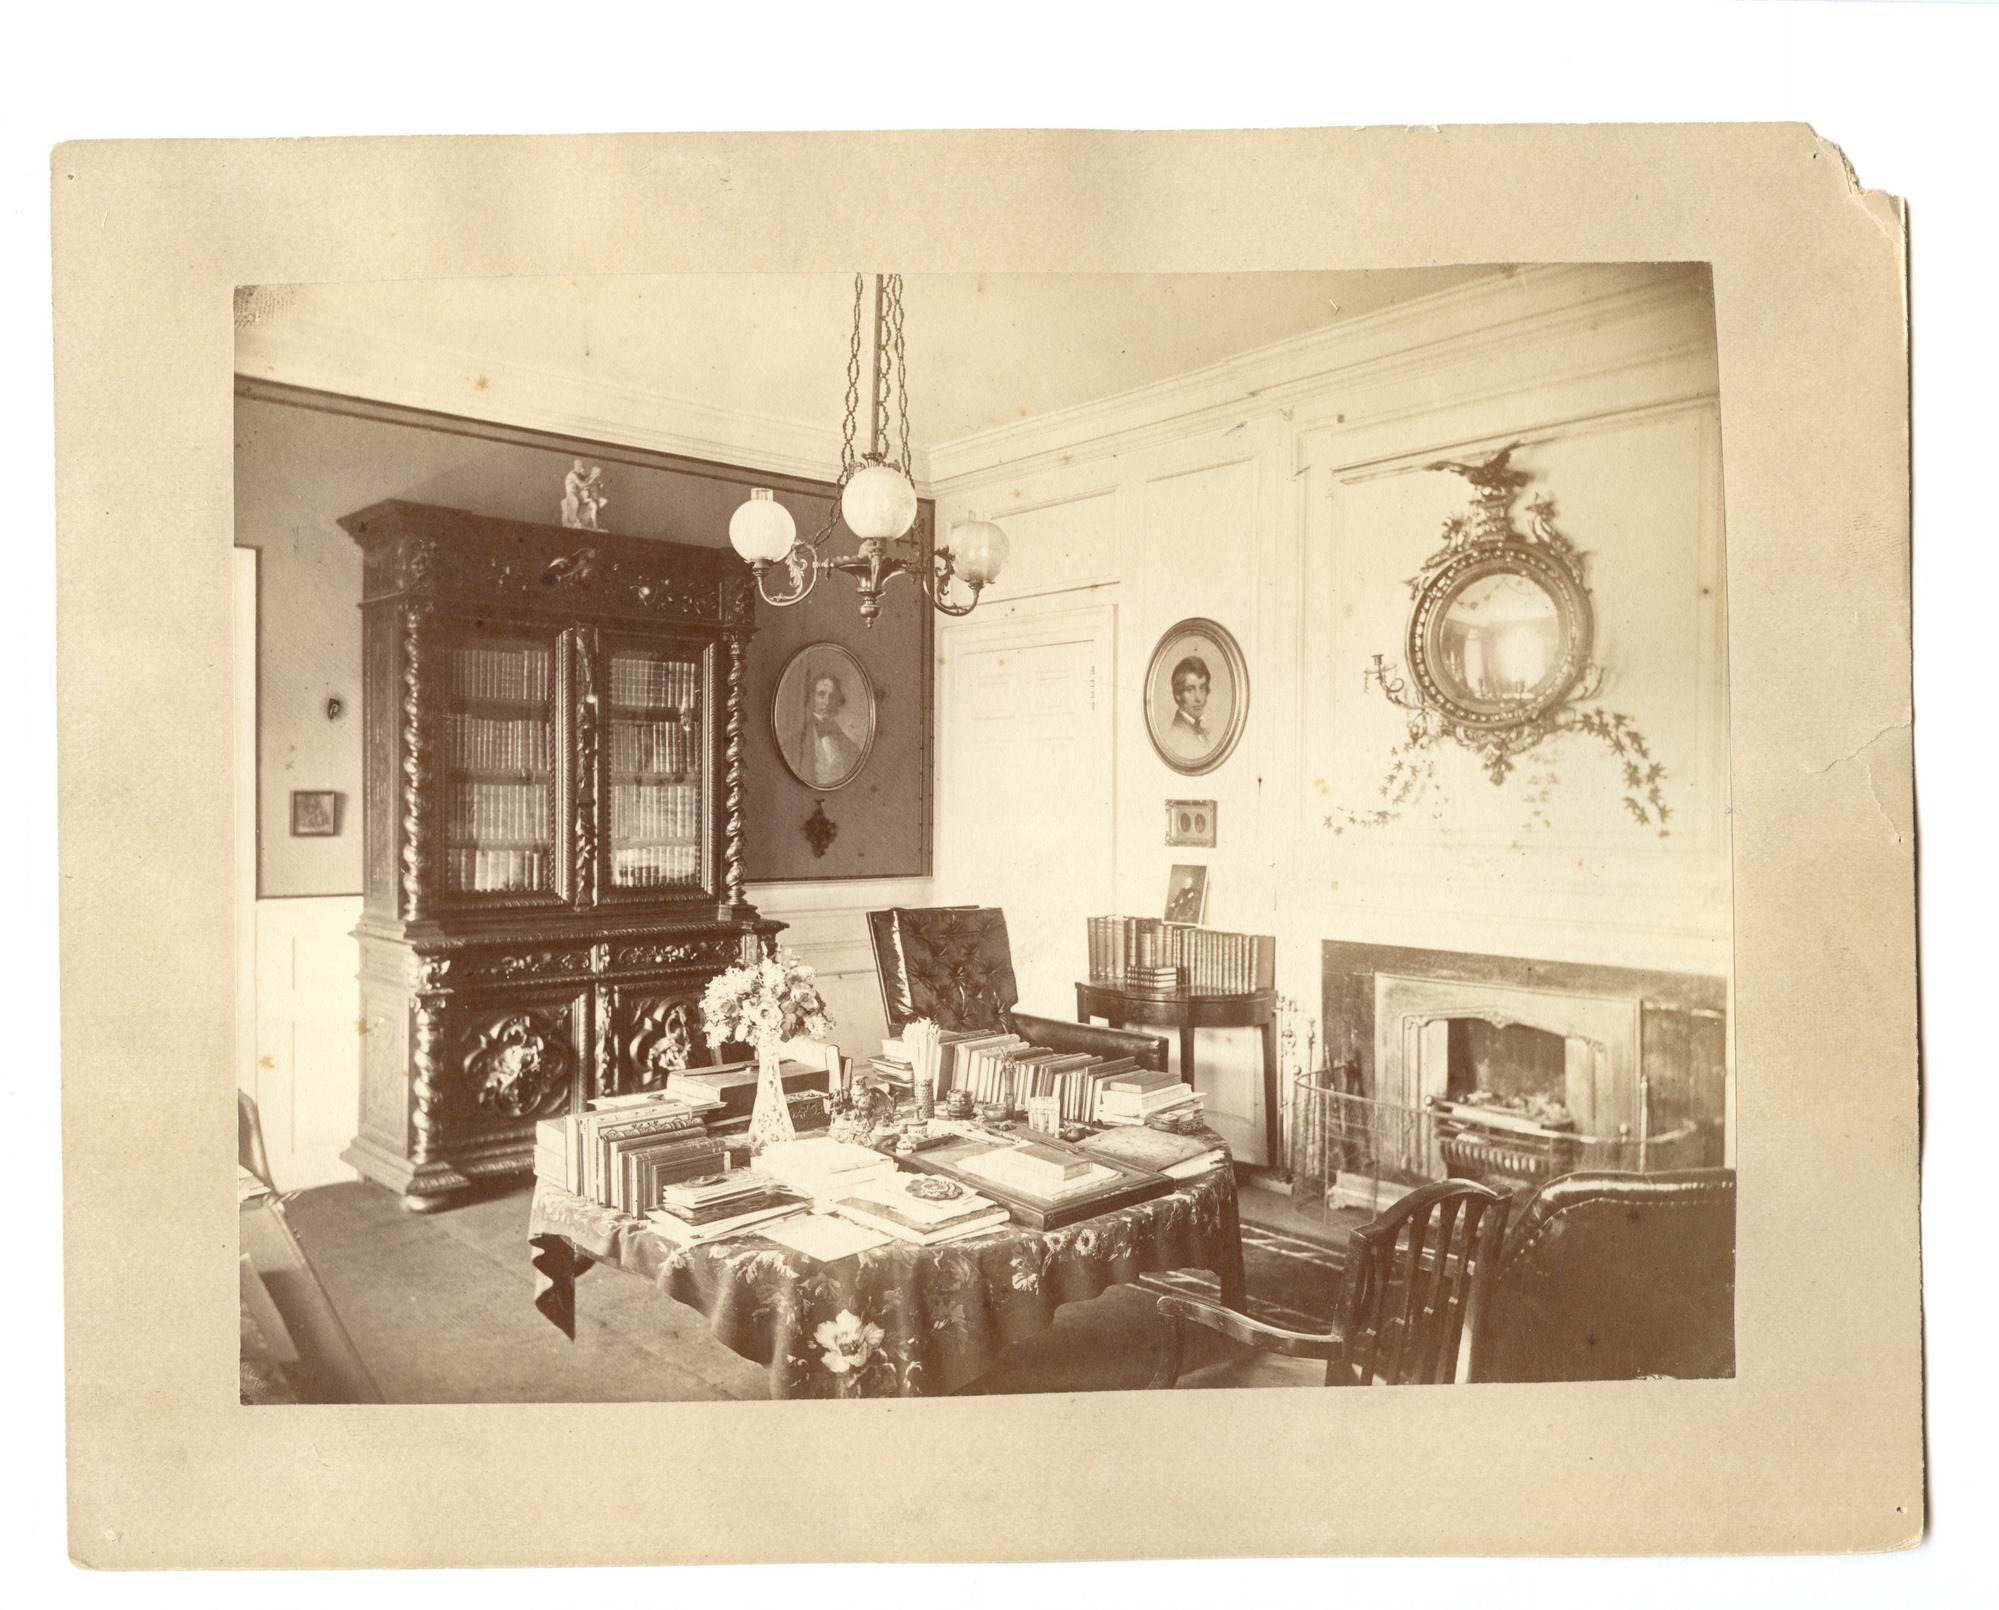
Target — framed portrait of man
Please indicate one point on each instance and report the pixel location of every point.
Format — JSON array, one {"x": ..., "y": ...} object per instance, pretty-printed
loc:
[
  {"x": 1196, "y": 696},
  {"x": 823, "y": 716},
  {"x": 1187, "y": 894}
]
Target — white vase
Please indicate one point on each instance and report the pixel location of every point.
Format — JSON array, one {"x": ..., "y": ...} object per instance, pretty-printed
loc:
[{"x": 770, "y": 1119}]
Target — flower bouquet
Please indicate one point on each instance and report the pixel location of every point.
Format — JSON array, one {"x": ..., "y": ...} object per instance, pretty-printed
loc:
[{"x": 764, "y": 1003}]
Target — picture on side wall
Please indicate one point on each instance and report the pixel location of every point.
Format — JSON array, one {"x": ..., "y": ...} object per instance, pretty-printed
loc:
[
  {"x": 823, "y": 716},
  {"x": 1190, "y": 822},
  {"x": 315, "y": 813},
  {"x": 1196, "y": 696},
  {"x": 1187, "y": 894}
]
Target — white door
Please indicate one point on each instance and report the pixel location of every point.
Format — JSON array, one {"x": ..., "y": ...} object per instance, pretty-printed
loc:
[{"x": 1026, "y": 750}]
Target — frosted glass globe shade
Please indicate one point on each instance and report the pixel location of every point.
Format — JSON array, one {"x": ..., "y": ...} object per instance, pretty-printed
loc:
[
  {"x": 762, "y": 529},
  {"x": 979, "y": 551},
  {"x": 878, "y": 503}
]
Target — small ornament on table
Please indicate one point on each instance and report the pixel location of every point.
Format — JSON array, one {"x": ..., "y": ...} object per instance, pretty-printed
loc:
[
  {"x": 921, "y": 1036},
  {"x": 1044, "y": 1114},
  {"x": 958, "y": 1105}
]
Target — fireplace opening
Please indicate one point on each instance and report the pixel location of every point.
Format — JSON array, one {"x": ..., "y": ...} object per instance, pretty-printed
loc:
[{"x": 1515, "y": 1068}]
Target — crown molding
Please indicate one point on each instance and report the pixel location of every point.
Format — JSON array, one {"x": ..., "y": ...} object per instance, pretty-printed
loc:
[
  {"x": 325, "y": 355},
  {"x": 1486, "y": 318}
]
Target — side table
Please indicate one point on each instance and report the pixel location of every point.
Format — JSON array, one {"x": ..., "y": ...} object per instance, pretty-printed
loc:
[{"x": 1188, "y": 1010}]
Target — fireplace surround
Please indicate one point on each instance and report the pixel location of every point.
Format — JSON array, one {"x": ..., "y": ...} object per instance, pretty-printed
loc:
[{"x": 1630, "y": 1063}]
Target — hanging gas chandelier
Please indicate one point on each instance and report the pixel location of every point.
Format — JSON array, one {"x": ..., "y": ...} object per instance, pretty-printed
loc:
[{"x": 875, "y": 496}]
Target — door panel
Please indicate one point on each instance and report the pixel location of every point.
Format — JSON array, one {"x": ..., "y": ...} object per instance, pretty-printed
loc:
[{"x": 1028, "y": 759}]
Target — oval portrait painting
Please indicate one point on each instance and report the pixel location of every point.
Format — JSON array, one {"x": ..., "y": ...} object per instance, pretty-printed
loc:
[
  {"x": 823, "y": 716},
  {"x": 1196, "y": 696}
]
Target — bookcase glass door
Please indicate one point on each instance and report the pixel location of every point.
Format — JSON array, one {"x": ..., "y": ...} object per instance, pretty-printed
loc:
[
  {"x": 656, "y": 771},
  {"x": 497, "y": 746}
]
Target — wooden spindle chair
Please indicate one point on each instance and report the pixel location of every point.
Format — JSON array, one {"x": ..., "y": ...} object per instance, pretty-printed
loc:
[{"x": 1416, "y": 1282}]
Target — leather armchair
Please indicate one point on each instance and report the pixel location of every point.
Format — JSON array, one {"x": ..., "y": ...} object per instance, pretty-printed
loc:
[
  {"x": 953, "y": 964},
  {"x": 1613, "y": 1277}
]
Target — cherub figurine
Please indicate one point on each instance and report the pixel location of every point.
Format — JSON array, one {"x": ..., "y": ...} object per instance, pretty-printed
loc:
[{"x": 583, "y": 496}]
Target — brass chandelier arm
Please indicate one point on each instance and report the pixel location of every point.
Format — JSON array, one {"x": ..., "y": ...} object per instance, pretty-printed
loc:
[
  {"x": 800, "y": 569},
  {"x": 936, "y": 584}
]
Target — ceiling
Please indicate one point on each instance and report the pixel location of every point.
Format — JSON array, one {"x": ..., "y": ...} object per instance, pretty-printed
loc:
[{"x": 982, "y": 350}]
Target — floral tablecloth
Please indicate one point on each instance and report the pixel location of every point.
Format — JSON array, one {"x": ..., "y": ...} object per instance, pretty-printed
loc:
[{"x": 897, "y": 1320}]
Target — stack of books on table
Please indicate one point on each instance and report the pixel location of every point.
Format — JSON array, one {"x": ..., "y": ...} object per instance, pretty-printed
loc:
[
  {"x": 1161, "y": 980},
  {"x": 822, "y": 1169},
  {"x": 732, "y": 1091},
  {"x": 719, "y": 1205},
  {"x": 897, "y": 1205},
  {"x": 895, "y": 1065},
  {"x": 1047, "y": 1173},
  {"x": 1004, "y": 1067},
  {"x": 621, "y": 1156},
  {"x": 1134, "y": 1097},
  {"x": 1178, "y": 1157}
]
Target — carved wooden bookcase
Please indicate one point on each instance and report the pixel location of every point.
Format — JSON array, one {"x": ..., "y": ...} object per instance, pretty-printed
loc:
[{"x": 553, "y": 808}]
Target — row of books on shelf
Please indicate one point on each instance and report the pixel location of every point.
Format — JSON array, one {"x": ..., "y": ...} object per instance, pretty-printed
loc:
[
  {"x": 653, "y": 684},
  {"x": 487, "y": 743},
  {"x": 655, "y": 810},
  {"x": 653, "y": 746},
  {"x": 497, "y": 811},
  {"x": 1146, "y": 952},
  {"x": 517, "y": 675},
  {"x": 1002, "y": 1067},
  {"x": 498, "y": 871},
  {"x": 656, "y": 866}
]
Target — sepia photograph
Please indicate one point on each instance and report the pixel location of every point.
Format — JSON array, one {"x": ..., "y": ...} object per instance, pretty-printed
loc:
[
  {"x": 1487, "y": 1138},
  {"x": 738, "y": 988}
]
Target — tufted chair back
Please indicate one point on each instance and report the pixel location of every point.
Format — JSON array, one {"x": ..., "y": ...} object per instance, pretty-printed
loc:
[
  {"x": 951, "y": 964},
  {"x": 1613, "y": 1277}
]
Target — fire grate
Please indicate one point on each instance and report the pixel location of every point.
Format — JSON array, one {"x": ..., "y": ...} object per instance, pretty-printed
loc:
[{"x": 1350, "y": 1151}]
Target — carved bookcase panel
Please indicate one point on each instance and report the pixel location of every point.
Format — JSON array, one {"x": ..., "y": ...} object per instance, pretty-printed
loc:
[{"x": 553, "y": 809}]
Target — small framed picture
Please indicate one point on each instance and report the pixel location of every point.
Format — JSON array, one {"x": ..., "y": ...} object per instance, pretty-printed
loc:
[
  {"x": 1196, "y": 696},
  {"x": 1187, "y": 894},
  {"x": 315, "y": 813},
  {"x": 1190, "y": 822}
]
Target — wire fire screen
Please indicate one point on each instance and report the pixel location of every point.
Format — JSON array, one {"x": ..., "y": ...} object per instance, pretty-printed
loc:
[{"x": 1353, "y": 1152}]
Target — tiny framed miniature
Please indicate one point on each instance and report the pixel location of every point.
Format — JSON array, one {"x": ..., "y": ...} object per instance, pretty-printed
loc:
[
  {"x": 315, "y": 813},
  {"x": 1190, "y": 822}
]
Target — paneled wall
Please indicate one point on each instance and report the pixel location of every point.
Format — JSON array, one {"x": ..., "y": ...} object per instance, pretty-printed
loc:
[{"x": 1286, "y": 496}]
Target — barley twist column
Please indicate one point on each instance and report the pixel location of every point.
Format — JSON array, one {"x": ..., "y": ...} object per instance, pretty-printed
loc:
[
  {"x": 732, "y": 851},
  {"x": 415, "y": 763}
]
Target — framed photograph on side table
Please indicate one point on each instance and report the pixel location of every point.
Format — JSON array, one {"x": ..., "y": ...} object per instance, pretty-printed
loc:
[{"x": 1187, "y": 894}]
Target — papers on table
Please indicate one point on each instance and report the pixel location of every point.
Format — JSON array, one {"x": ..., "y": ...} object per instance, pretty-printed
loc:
[{"x": 822, "y": 1236}]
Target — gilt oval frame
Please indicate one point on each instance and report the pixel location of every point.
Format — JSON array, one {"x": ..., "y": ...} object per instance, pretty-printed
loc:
[{"x": 1574, "y": 613}]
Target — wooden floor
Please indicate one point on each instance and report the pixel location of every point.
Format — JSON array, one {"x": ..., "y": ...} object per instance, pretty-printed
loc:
[{"x": 440, "y": 1307}]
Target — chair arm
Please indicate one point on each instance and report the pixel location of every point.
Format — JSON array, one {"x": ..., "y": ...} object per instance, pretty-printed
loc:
[
  {"x": 1147, "y": 1050},
  {"x": 1251, "y": 1332}
]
